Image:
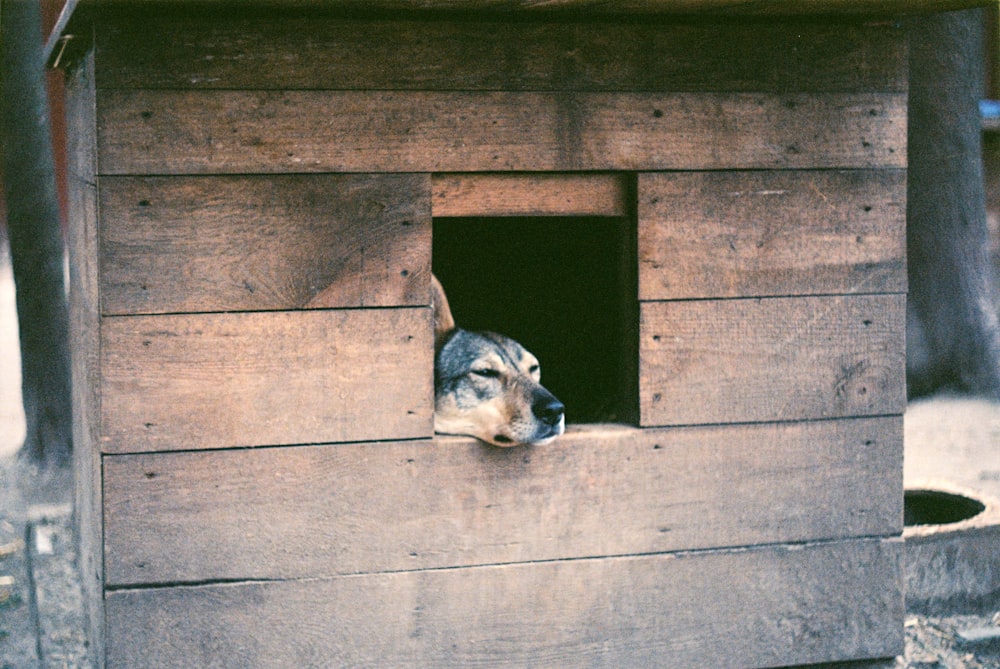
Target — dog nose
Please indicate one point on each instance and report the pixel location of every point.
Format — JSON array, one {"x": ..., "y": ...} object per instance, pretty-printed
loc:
[{"x": 548, "y": 409}]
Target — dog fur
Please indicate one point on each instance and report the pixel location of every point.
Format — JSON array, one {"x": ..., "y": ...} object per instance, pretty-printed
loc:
[{"x": 488, "y": 386}]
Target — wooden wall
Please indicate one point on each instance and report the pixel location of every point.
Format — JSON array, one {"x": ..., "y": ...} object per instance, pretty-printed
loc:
[{"x": 261, "y": 485}]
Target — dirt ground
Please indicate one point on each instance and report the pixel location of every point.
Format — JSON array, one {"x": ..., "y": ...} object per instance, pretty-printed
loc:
[{"x": 938, "y": 643}]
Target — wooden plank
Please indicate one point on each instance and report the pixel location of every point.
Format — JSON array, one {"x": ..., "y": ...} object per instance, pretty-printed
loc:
[
  {"x": 762, "y": 607},
  {"x": 245, "y": 379},
  {"x": 742, "y": 234},
  {"x": 188, "y": 244},
  {"x": 351, "y": 508},
  {"x": 197, "y": 132},
  {"x": 728, "y": 361},
  {"x": 744, "y": 9},
  {"x": 287, "y": 52},
  {"x": 590, "y": 194},
  {"x": 85, "y": 345}
]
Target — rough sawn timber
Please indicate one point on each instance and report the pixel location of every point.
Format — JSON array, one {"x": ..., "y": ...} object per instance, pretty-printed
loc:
[
  {"x": 535, "y": 194},
  {"x": 201, "y": 132},
  {"x": 261, "y": 481},
  {"x": 182, "y": 381},
  {"x": 760, "y": 233},
  {"x": 467, "y": 55},
  {"x": 780, "y": 358},
  {"x": 274, "y": 242},
  {"x": 349, "y": 508},
  {"x": 728, "y": 609},
  {"x": 85, "y": 343}
]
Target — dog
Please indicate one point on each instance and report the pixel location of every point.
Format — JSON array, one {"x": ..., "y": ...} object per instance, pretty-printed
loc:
[{"x": 488, "y": 386}]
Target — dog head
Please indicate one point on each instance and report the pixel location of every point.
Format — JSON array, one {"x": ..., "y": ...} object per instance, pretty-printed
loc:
[{"x": 488, "y": 386}]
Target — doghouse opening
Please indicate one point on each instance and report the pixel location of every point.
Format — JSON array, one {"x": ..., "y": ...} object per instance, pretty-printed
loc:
[
  {"x": 563, "y": 286},
  {"x": 933, "y": 507}
]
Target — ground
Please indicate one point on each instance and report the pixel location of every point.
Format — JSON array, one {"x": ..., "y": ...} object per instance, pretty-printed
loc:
[{"x": 937, "y": 643}]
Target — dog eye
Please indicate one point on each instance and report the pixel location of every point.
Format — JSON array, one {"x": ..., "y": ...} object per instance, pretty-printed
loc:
[{"x": 487, "y": 372}]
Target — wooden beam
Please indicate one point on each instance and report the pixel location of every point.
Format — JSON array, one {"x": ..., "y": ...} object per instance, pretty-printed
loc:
[
  {"x": 233, "y": 51},
  {"x": 530, "y": 195},
  {"x": 84, "y": 322}
]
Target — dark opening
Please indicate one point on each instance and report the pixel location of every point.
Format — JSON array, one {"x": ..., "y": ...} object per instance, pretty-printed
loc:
[
  {"x": 565, "y": 288},
  {"x": 933, "y": 507}
]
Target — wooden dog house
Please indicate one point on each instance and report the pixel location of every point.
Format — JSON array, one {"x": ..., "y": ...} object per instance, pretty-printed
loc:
[{"x": 254, "y": 195}]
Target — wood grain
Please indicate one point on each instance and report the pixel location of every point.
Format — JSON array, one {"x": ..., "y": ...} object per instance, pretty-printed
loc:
[
  {"x": 200, "y": 132},
  {"x": 244, "y": 379},
  {"x": 597, "y": 491},
  {"x": 189, "y": 244},
  {"x": 590, "y": 194},
  {"x": 759, "y": 607},
  {"x": 743, "y": 234},
  {"x": 85, "y": 345},
  {"x": 235, "y": 156},
  {"x": 287, "y": 52},
  {"x": 725, "y": 361}
]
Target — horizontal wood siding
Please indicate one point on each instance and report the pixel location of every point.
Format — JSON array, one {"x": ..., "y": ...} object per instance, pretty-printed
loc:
[
  {"x": 766, "y": 606},
  {"x": 311, "y": 53},
  {"x": 245, "y": 379},
  {"x": 739, "y": 234},
  {"x": 265, "y": 488},
  {"x": 731, "y": 361},
  {"x": 183, "y": 244},
  {"x": 198, "y": 132},
  {"x": 350, "y": 508}
]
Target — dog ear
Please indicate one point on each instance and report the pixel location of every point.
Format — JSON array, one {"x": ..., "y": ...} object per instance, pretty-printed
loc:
[{"x": 444, "y": 323}]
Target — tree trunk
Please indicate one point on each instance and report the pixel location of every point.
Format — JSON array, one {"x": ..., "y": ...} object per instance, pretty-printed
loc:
[
  {"x": 35, "y": 236},
  {"x": 953, "y": 335}
]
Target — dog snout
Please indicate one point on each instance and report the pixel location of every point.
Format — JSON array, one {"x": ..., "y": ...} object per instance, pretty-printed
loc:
[{"x": 547, "y": 408}]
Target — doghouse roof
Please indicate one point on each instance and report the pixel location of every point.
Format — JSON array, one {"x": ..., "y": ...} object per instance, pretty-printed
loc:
[
  {"x": 787, "y": 7},
  {"x": 74, "y": 9}
]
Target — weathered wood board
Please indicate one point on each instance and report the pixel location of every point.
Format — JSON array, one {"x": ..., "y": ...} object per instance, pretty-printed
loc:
[
  {"x": 254, "y": 365},
  {"x": 189, "y": 244},
  {"x": 739, "y": 234},
  {"x": 795, "y": 358},
  {"x": 174, "y": 382},
  {"x": 625, "y": 55},
  {"x": 766, "y": 606},
  {"x": 199, "y": 132},
  {"x": 85, "y": 343},
  {"x": 351, "y": 508},
  {"x": 536, "y": 194}
]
